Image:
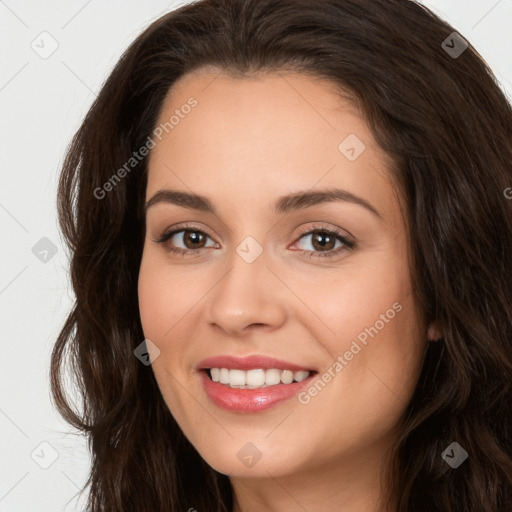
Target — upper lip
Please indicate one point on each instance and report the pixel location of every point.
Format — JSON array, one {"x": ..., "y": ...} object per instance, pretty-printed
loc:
[{"x": 249, "y": 363}]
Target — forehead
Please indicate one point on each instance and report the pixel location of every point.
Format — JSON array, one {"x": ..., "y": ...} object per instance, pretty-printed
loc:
[{"x": 265, "y": 135}]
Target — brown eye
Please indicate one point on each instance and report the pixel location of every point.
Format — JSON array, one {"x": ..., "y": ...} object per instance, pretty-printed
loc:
[
  {"x": 185, "y": 240},
  {"x": 193, "y": 239},
  {"x": 322, "y": 240}
]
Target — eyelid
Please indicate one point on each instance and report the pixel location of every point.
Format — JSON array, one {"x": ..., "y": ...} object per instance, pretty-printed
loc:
[
  {"x": 325, "y": 228},
  {"x": 169, "y": 233},
  {"x": 348, "y": 241}
]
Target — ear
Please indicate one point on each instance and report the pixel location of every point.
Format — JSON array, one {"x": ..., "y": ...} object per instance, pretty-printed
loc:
[{"x": 435, "y": 331}]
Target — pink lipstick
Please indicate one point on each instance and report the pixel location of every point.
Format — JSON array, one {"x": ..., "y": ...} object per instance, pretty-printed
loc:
[{"x": 253, "y": 383}]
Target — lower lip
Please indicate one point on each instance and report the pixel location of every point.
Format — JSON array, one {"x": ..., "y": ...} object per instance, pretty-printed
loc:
[{"x": 250, "y": 400}]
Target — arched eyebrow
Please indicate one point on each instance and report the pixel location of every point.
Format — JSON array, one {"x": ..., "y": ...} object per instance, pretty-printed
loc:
[
  {"x": 305, "y": 199},
  {"x": 284, "y": 204}
]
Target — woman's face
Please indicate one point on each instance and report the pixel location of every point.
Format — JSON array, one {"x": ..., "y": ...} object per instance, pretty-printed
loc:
[{"x": 257, "y": 282}]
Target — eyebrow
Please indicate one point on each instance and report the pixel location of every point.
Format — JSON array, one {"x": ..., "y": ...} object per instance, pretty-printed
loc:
[{"x": 284, "y": 204}]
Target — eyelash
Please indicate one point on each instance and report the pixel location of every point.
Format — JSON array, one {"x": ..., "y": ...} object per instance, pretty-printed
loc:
[{"x": 348, "y": 244}]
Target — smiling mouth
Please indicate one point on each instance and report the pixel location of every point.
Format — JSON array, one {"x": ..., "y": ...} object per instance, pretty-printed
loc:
[{"x": 257, "y": 378}]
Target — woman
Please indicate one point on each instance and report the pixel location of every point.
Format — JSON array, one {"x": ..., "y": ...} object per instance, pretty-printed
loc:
[{"x": 291, "y": 243}]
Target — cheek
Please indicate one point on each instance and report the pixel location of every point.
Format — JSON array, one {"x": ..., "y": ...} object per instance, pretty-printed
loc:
[
  {"x": 151, "y": 298},
  {"x": 370, "y": 381},
  {"x": 348, "y": 302},
  {"x": 370, "y": 319},
  {"x": 380, "y": 356},
  {"x": 164, "y": 293},
  {"x": 161, "y": 307}
]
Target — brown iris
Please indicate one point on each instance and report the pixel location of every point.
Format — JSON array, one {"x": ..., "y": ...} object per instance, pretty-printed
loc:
[
  {"x": 319, "y": 235},
  {"x": 195, "y": 237}
]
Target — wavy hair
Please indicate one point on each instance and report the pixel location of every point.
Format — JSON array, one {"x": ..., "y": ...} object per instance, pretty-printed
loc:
[{"x": 446, "y": 125}]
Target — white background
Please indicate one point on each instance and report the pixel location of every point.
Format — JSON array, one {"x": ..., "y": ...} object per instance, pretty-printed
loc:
[{"x": 42, "y": 102}]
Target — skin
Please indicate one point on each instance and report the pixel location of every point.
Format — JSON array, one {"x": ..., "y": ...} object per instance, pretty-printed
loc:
[{"x": 247, "y": 142}]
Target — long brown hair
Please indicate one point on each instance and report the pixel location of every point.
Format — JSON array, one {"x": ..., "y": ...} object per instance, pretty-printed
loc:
[{"x": 447, "y": 127}]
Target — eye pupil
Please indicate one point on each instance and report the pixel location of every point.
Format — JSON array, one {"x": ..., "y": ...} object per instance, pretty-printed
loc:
[
  {"x": 193, "y": 236},
  {"x": 318, "y": 235}
]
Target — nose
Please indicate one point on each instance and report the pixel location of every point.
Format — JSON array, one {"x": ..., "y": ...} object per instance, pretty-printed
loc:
[{"x": 248, "y": 296}]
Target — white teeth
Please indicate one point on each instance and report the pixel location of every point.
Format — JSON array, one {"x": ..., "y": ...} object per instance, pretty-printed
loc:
[
  {"x": 224, "y": 376},
  {"x": 287, "y": 377},
  {"x": 237, "y": 377},
  {"x": 257, "y": 378},
  {"x": 272, "y": 377},
  {"x": 300, "y": 376}
]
